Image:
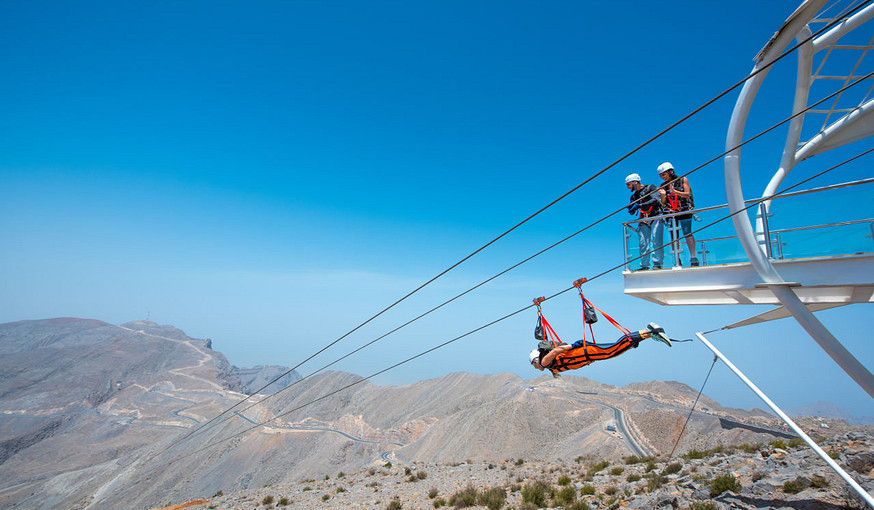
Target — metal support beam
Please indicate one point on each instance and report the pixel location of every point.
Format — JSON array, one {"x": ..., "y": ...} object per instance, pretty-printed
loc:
[{"x": 819, "y": 451}]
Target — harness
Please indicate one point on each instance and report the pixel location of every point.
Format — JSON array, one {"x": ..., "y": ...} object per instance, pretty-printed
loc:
[
  {"x": 674, "y": 202},
  {"x": 581, "y": 356},
  {"x": 646, "y": 207}
]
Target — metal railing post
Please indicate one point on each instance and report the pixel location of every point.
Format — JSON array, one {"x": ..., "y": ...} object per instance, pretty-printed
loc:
[
  {"x": 766, "y": 231},
  {"x": 703, "y": 252},
  {"x": 625, "y": 236},
  {"x": 674, "y": 232},
  {"x": 779, "y": 242}
]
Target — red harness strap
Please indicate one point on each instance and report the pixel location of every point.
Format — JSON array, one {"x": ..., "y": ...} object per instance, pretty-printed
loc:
[
  {"x": 551, "y": 336},
  {"x": 592, "y": 331},
  {"x": 612, "y": 321},
  {"x": 579, "y": 285}
]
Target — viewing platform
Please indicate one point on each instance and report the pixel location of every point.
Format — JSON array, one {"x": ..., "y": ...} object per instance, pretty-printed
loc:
[{"x": 827, "y": 265}]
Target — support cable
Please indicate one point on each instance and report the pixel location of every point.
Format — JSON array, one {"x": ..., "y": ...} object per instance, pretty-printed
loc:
[
  {"x": 578, "y": 186},
  {"x": 285, "y": 413},
  {"x": 680, "y": 436},
  {"x": 754, "y": 203}
]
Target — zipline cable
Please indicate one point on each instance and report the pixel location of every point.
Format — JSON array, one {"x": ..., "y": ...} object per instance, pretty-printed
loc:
[
  {"x": 564, "y": 240},
  {"x": 285, "y": 413},
  {"x": 762, "y": 133},
  {"x": 767, "y": 66}
]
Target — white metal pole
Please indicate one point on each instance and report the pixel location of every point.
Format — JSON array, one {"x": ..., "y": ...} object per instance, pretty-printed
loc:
[{"x": 819, "y": 451}]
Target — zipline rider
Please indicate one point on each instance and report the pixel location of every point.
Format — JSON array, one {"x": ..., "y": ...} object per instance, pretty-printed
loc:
[
  {"x": 579, "y": 354},
  {"x": 556, "y": 356}
]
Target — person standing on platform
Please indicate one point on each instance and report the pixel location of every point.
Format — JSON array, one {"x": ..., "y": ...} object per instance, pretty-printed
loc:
[
  {"x": 647, "y": 202},
  {"x": 676, "y": 195}
]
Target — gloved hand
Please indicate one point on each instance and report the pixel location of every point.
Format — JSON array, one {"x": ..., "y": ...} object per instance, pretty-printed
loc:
[{"x": 633, "y": 208}]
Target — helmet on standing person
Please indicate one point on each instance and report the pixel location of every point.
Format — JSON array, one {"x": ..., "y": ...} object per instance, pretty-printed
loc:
[
  {"x": 631, "y": 178},
  {"x": 665, "y": 167}
]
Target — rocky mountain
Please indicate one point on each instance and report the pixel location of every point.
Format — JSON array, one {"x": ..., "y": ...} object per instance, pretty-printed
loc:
[
  {"x": 260, "y": 376},
  {"x": 94, "y": 415},
  {"x": 830, "y": 410}
]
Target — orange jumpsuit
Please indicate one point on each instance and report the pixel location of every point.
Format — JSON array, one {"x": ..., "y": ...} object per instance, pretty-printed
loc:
[{"x": 582, "y": 355}]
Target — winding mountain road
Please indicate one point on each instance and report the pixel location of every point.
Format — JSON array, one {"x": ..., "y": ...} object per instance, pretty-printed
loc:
[{"x": 619, "y": 417}]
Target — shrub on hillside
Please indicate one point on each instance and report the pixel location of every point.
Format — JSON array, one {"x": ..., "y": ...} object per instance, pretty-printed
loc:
[
  {"x": 536, "y": 493},
  {"x": 464, "y": 498},
  {"x": 796, "y": 486},
  {"x": 673, "y": 468},
  {"x": 654, "y": 481},
  {"x": 599, "y": 466},
  {"x": 493, "y": 498},
  {"x": 818, "y": 481},
  {"x": 724, "y": 483},
  {"x": 565, "y": 496}
]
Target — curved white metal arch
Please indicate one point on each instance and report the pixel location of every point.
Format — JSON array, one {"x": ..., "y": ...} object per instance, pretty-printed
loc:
[{"x": 794, "y": 26}]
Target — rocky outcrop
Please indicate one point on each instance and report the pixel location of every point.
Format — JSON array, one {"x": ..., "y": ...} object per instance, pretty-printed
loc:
[{"x": 267, "y": 378}]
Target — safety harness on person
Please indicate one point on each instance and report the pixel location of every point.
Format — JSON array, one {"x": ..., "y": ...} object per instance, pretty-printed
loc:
[
  {"x": 580, "y": 356},
  {"x": 646, "y": 204},
  {"x": 673, "y": 201}
]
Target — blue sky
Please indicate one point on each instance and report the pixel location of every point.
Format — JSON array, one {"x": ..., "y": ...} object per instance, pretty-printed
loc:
[{"x": 271, "y": 175}]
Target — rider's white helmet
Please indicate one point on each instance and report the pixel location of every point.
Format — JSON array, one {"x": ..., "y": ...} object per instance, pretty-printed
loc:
[
  {"x": 535, "y": 354},
  {"x": 632, "y": 177}
]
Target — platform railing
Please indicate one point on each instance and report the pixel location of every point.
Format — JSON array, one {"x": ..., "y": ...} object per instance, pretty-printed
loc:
[{"x": 832, "y": 238}]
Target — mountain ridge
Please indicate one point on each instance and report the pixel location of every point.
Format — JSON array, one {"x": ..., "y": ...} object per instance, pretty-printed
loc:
[{"x": 141, "y": 416}]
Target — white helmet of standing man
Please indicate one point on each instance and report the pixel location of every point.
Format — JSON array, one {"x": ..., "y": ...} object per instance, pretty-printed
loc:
[
  {"x": 632, "y": 177},
  {"x": 665, "y": 167},
  {"x": 533, "y": 355}
]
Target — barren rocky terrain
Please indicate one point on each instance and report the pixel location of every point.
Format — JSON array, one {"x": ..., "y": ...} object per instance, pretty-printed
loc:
[
  {"x": 138, "y": 415},
  {"x": 748, "y": 476}
]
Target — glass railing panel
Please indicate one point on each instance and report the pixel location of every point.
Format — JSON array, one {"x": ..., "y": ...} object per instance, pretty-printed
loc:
[{"x": 824, "y": 241}]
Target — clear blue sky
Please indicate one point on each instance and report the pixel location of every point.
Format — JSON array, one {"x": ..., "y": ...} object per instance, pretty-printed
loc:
[{"x": 270, "y": 175}]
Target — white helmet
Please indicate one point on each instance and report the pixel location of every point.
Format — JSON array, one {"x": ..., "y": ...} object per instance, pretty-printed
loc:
[
  {"x": 632, "y": 177},
  {"x": 535, "y": 354},
  {"x": 666, "y": 166}
]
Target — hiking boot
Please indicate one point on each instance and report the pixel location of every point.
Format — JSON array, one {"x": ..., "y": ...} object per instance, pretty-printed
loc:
[
  {"x": 656, "y": 266},
  {"x": 694, "y": 261},
  {"x": 658, "y": 333},
  {"x": 642, "y": 268}
]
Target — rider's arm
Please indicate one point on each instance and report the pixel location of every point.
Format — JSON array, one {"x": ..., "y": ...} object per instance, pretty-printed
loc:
[{"x": 550, "y": 356}]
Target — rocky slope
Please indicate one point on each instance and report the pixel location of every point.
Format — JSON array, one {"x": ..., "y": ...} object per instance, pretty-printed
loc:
[
  {"x": 94, "y": 415},
  {"x": 750, "y": 477}
]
